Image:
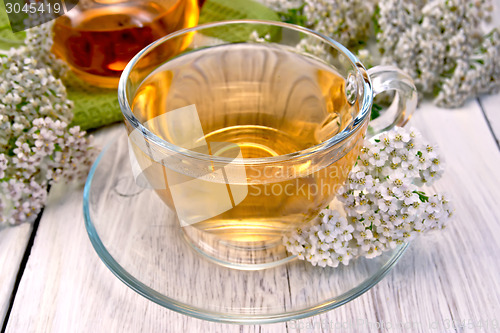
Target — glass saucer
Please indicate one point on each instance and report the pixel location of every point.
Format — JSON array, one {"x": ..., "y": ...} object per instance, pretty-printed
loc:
[{"x": 140, "y": 241}]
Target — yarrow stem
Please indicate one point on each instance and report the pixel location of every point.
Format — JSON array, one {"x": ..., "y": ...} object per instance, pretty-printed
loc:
[{"x": 384, "y": 205}]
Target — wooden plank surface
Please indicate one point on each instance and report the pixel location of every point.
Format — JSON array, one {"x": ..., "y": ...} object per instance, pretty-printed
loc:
[
  {"x": 13, "y": 241},
  {"x": 445, "y": 278}
]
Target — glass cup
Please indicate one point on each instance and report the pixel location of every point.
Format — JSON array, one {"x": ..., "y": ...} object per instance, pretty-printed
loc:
[
  {"x": 97, "y": 38},
  {"x": 249, "y": 131}
]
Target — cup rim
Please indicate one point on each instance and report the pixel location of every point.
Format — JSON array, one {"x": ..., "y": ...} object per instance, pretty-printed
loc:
[{"x": 356, "y": 123}]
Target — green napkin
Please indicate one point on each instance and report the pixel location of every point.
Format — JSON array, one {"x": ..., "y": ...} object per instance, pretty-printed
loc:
[
  {"x": 220, "y": 10},
  {"x": 94, "y": 107}
]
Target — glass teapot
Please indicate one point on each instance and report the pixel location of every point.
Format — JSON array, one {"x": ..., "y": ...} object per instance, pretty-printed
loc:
[{"x": 97, "y": 38}]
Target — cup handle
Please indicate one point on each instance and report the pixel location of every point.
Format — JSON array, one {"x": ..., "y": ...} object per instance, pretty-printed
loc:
[{"x": 385, "y": 78}]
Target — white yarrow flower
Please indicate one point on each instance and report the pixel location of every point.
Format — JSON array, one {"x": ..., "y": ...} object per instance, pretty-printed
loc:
[
  {"x": 36, "y": 145},
  {"x": 383, "y": 211}
]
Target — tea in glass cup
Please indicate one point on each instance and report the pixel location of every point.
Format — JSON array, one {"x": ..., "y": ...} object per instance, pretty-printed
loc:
[{"x": 249, "y": 139}]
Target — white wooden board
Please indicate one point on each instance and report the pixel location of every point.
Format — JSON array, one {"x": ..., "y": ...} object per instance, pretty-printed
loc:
[{"x": 446, "y": 278}]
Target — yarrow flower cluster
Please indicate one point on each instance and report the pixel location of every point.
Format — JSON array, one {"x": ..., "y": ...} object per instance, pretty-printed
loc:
[
  {"x": 37, "y": 147},
  {"x": 383, "y": 202},
  {"x": 347, "y": 21},
  {"x": 439, "y": 43},
  {"x": 39, "y": 41}
]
